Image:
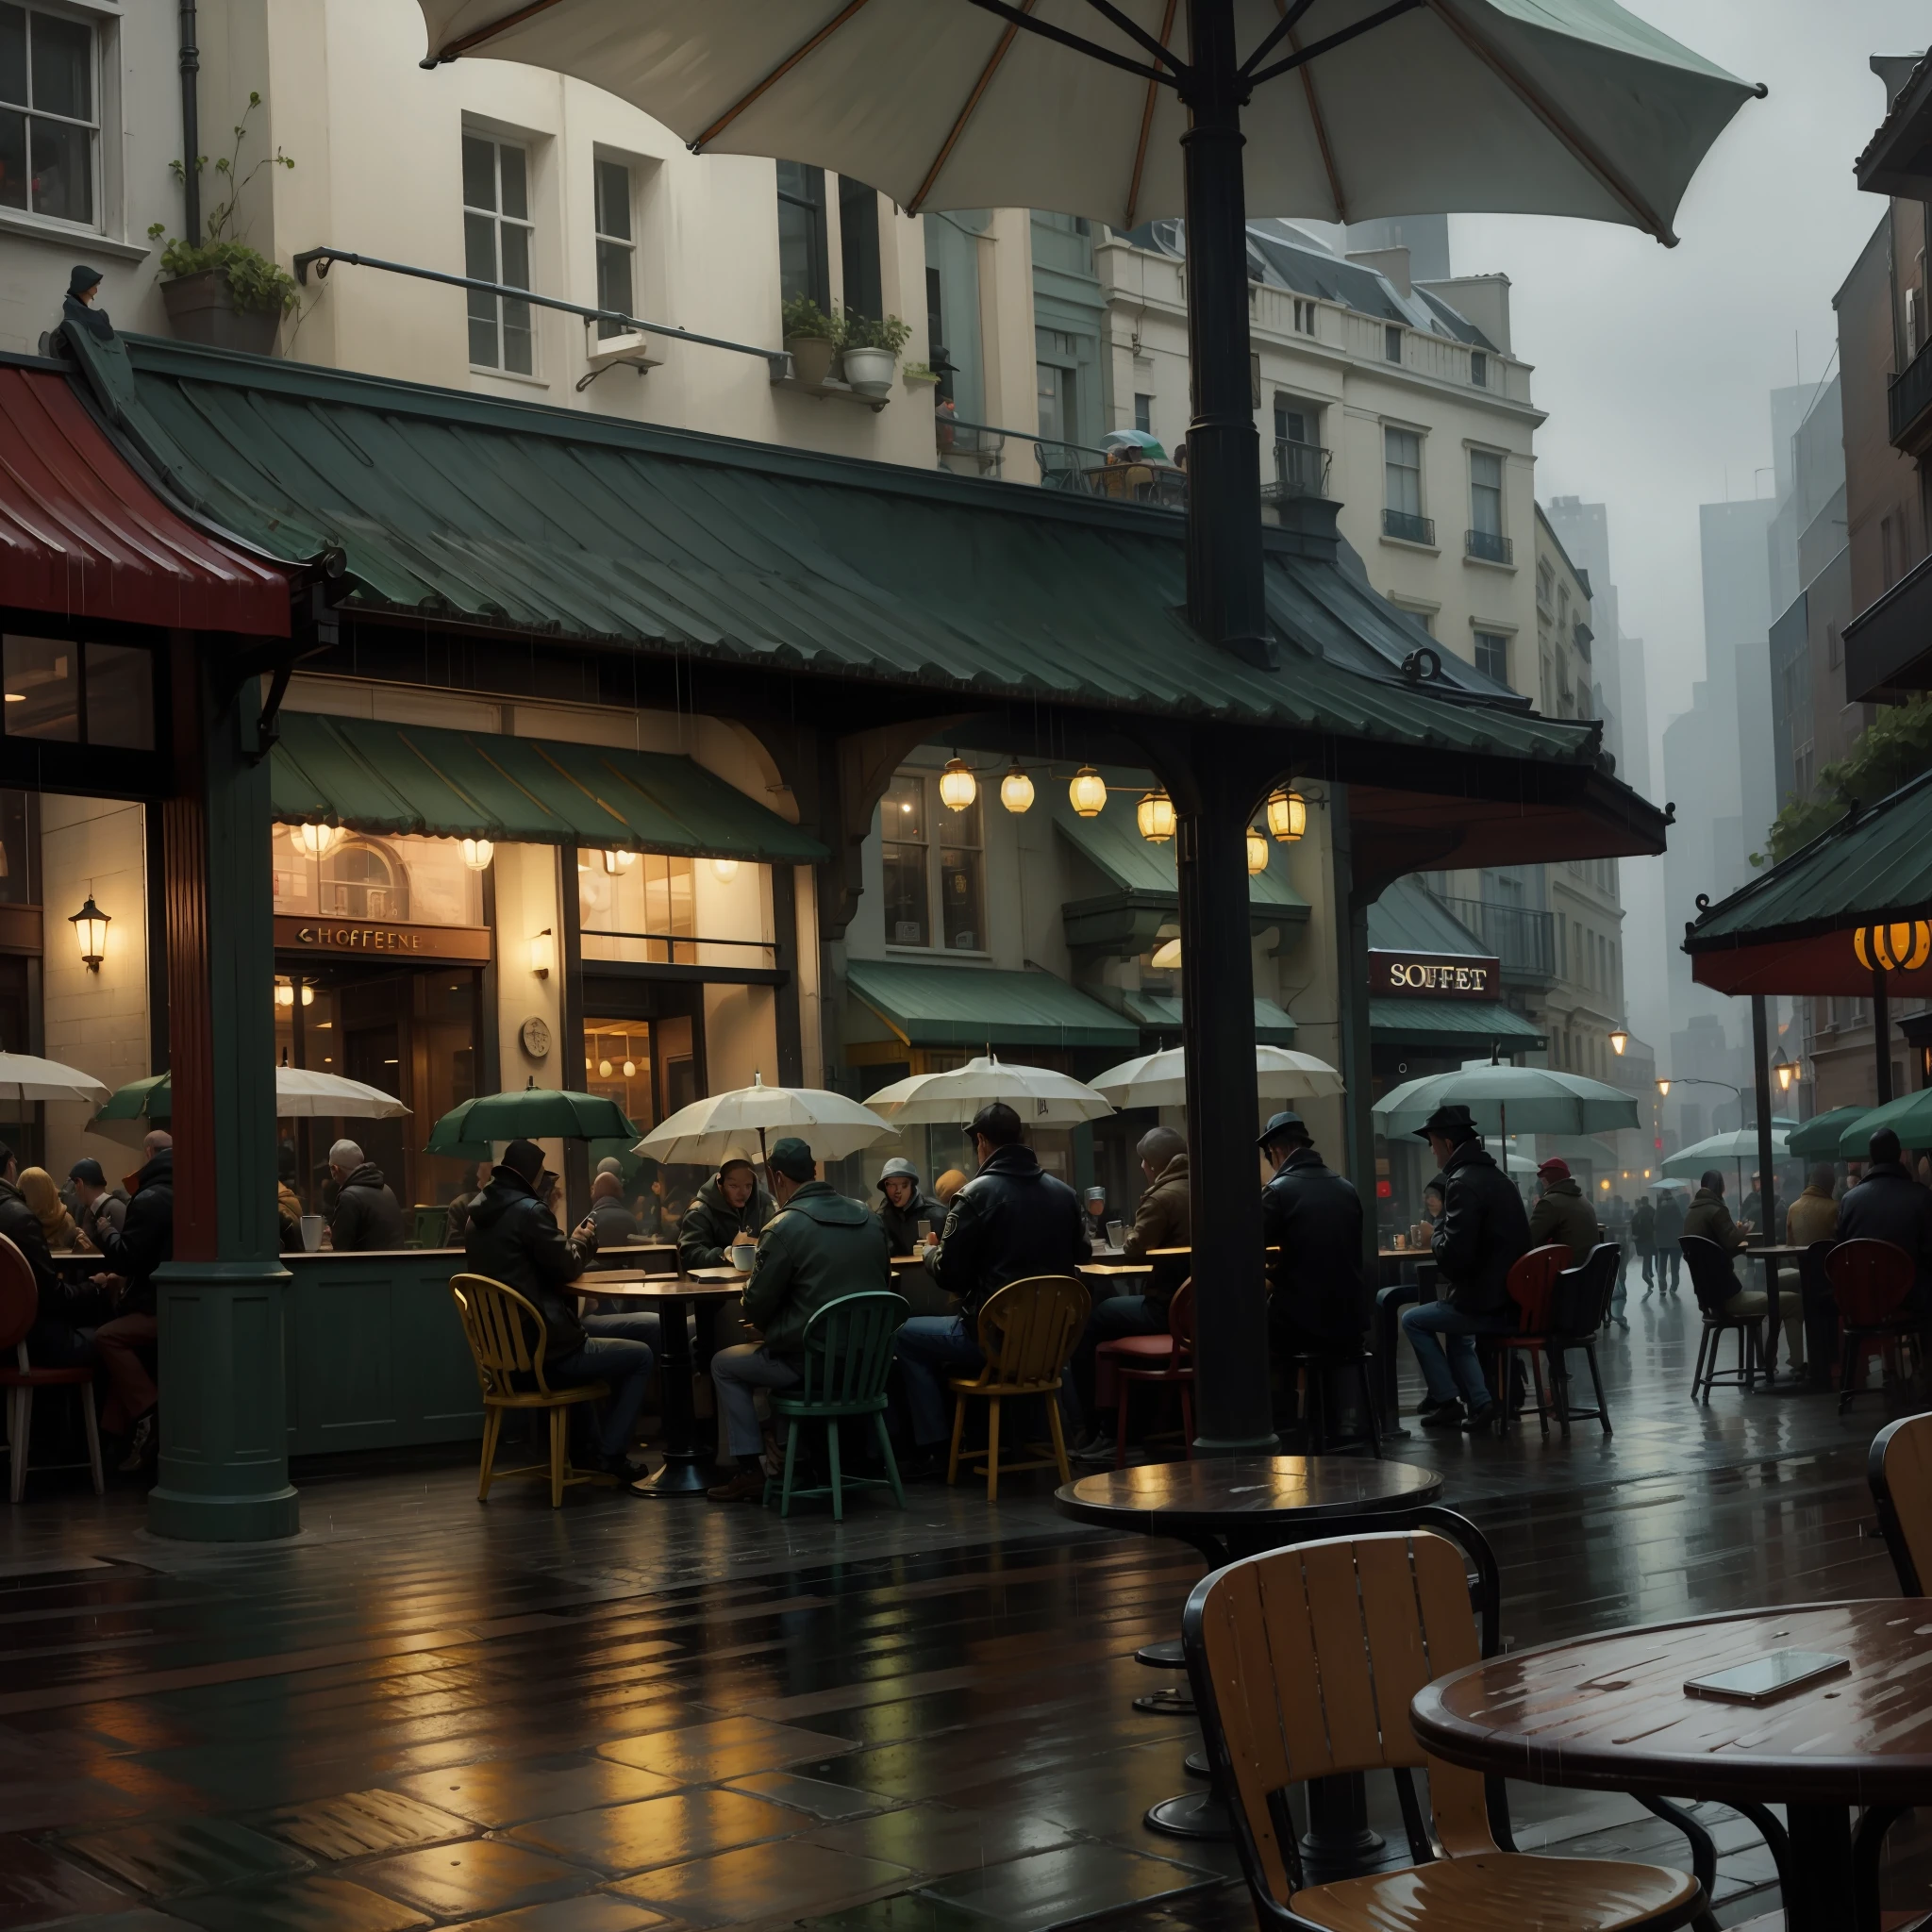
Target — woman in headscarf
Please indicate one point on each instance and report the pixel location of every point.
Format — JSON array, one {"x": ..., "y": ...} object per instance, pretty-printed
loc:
[{"x": 37, "y": 1190}]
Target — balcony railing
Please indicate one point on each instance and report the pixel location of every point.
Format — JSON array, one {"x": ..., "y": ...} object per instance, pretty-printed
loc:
[
  {"x": 1410, "y": 529},
  {"x": 1489, "y": 546},
  {"x": 1301, "y": 469},
  {"x": 1523, "y": 939},
  {"x": 1908, "y": 400}
]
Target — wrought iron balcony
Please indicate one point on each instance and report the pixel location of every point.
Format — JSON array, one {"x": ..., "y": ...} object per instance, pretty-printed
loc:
[
  {"x": 1489, "y": 546},
  {"x": 1301, "y": 469},
  {"x": 1523, "y": 939},
  {"x": 1909, "y": 402},
  {"x": 1410, "y": 529}
]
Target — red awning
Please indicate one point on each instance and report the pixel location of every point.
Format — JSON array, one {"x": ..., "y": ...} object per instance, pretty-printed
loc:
[{"x": 82, "y": 536}]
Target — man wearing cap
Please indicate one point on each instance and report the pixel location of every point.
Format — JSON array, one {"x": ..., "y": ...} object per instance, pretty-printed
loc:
[
  {"x": 1562, "y": 1215},
  {"x": 1890, "y": 1206},
  {"x": 1482, "y": 1233},
  {"x": 1313, "y": 1217},
  {"x": 729, "y": 1207},
  {"x": 94, "y": 1202},
  {"x": 817, "y": 1246},
  {"x": 904, "y": 1205}
]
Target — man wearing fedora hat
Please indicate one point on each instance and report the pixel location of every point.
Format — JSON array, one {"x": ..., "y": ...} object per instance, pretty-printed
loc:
[{"x": 1482, "y": 1232}]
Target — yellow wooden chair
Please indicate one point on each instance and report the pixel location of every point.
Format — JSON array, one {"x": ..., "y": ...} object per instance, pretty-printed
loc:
[
  {"x": 507, "y": 1338},
  {"x": 1900, "y": 1473},
  {"x": 1304, "y": 1662},
  {"x": 1027, "y": 1333}
]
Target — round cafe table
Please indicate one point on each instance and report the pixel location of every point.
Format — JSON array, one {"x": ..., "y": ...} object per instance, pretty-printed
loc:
[
  {"x": 1237, "y": 1506},
  {"x": 1611, "y": 1713}
]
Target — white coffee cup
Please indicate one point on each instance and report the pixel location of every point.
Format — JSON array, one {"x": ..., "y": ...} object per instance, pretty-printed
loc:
[
  {"x": 742, "y": 1255},
  {"x": 311, "y": 1232},
  {"x": 1116, "y": 1231}
]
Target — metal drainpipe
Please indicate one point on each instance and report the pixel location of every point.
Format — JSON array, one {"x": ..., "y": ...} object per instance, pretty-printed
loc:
[{"x": 190, "y": 128}]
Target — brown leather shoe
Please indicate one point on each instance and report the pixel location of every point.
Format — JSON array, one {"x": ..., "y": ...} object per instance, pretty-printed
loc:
[{"x": 747, "y": 1486}]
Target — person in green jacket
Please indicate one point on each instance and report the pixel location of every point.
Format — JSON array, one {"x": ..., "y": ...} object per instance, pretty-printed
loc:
[
  {"x": 820, "y": 1245},
  {"x": 729, "y": 1206},
  {"x": 1562, "y": 1216}
]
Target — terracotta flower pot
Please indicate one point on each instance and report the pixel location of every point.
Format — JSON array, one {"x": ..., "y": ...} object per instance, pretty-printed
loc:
[
  {"x": 200, "y": 309},
  {"x": 811, "y": 359}
]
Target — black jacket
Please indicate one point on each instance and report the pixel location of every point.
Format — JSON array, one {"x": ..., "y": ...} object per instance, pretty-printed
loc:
[
  {"x": 514, "y": 1238},
  {"x": 367, "y": 1216},
  {"x": 1314, "y": 1216},
  {"x": 1483, "y": 1232},
  {"x": 1010, "y": 1221},
  {"x": 711, "y": 1223},
  {"x": 1887, "y": 1205},
  {"x": 148, "y": 1235},
  {"x": 617, "y": 1227},
  {"x": 47, "y": 1343},
  {"x": 906, "y": 1227}
]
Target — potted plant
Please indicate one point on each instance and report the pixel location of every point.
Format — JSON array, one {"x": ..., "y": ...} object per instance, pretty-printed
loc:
[
  {"x": 872, "y": 351},
  {"x": 218, "y": 290},
  {"x": 919, "y": 376},
  {"x": 813, "y": 339}
]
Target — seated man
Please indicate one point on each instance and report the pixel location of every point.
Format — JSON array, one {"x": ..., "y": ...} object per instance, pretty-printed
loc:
[
  {"x": 1160, "y": 1221},
  {"x": 367, "y": 1216},
  {"x": 729, "y": 1205},
  {"x": 820, "y": 1245},
  {"x": 1482, "y": 1233},
  {"x": 617, "y": 1227},
  {"x": 1010, "y": 1221},
  {"x": 1313, "y": 1217},
  {"x": 127, "y": 1342},
  {"x": 904, "y": 1209},
  {"x": 1890, "y": 1206},
  {"x": 1562, "y": 1216},
  {"x": 513, "y": 1239},
  {"x": 1709, "y": 1218},
  {"x": 1813, "y": 1217}
]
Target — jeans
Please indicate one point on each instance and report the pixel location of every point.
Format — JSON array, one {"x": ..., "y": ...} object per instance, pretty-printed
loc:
[
  {"x": 625, "y": 1364},
  {"x": 647, "y": 1328},
  {"x": 1445, "y": 1343},
  {"x": 1647, "y": 1257},
  {"x": 1670, "y": 1262},
  {"x": 929, "y": 1348},
  {"x": 737, "y": 1373},
  {"x": 1119, "y": 1315}
]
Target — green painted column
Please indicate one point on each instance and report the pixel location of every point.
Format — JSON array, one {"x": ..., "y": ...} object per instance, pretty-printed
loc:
[{"x": 225, "y": 1453}]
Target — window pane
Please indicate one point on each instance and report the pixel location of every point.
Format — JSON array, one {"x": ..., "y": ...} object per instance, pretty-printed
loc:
[
  {"x": 614, "y": 200},
  {"x": 905, "y": 908},
  {"x": 1403, "y": 471},
  {"x": 517, "y": 347},
  {"x": 479, "y": 173},
  {"x": 12, "y": 159},
  {"x": 515, "y": 243},
  {"x": 903, "y": 810},
  {"x": 859, "y": 247},
  {"x": 479, "y": 259},
  {"x": 516, "y": 199},
  {"x": 119, "y": 696},
  {"x": 961, "y": 895},
  {"x": 63, "y": 61},
  {"x": 43, "y": 678},
  {"x": 797, "y": 237},
  {"x": 613, "y": 283},
  {"x": 62, "y": 171},
  {"x": 13, "y": 55},
  {"x": 18, "y": 886}
]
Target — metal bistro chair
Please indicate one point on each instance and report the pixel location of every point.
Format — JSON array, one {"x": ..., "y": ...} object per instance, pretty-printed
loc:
[
  {"x": 1870, "y": 1281},
  {"x": 1156, "y": 1361},
  {"x": 507, "y": 1338},
  {"x": 1027, "y": 1333},
  {"x": 19, "y": 1304},
  {"x": 848, "y": 1355},
  {"x": 1531, "y": 1282},
  {"x": 1713, "y": 1283},
  {"x": 1304, "y": 1663},
  {"x": 1579, "y": 1306}
]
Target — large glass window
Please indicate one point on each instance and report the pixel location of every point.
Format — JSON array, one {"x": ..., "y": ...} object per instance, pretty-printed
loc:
[
  {"x": 48, "y": 125},
  {"x": 931, "y": 852},
  {"x": 80, "y": 693},
  {"x": 962, "y": 880},
  {"x": 647, "y": 1066},
  {"x": 859, "y": 248},
  {"x": 497, "y": 248},
  {"x": 637, "y": 906},
  {"x": 1492, "y": 654},
  {"x": 1402, "y": 471},
  {"x": 616, "y": 244},
  {"x": 1485, "y": 539},
  {"x": 804, "y": 267},
  {"x": 902, "y": 830},
  {"x": 406, "y": 879}
]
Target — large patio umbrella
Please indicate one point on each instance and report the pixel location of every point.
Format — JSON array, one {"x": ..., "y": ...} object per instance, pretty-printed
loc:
[
  {"x": 1909, "y": 1117},
  {"x": 1818, "y": 1138},
  {"x": 141, "y": 1105},
  {"x": 534, "y": 1114},
  {"x": 708, "y": 1129},
  {"x": 1737, "y": 1146},
  {"x": 1042, "y": 1096},
  {"x": 1160, "y": 1080},
  {"x": 23, "y": 1077},
  {"x": 1539, "y": 1100}
]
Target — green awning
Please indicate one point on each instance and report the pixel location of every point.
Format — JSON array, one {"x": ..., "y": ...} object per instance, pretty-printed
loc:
[
  {"x": 1162, "y": 1013},
  {"x": 392, "y": 778},
  {"x": 979, "y": 1006},
  {"x": 1113, "y": 845},
  {"x": 1409, "y": 918},
  {"x": 1460, "y": 1027}
]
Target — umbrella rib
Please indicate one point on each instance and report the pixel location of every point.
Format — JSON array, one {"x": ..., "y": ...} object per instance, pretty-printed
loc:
[
  {"x": 1090, "y": 48},
  {"x": 1162, "y": 54},
  {"x": 1282, "y": 29},
  {"x": 1315, "y": 114},
  {"x": 1559, "y": 125},
  {"x": 776, "y": 74},
  {"x": 1147, "y": 122},
  {"x": 1339, "y": 39},
  {"x": 965, "y": 114},
  {"x": 515, "y": 18}
]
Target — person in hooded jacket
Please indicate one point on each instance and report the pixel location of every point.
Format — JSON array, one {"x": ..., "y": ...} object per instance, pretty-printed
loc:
[
  {"x": 1890, "y": 1206},
  {"x": 513, "y": 1238},
  {"x": 817, "y": 1246},
  {"x": 367, "y": 1216},
  {"x": 62, "y": 1334},
  {"x": 906, "y": 1210},
  {"x": 1562, "y": 1216},
  {"x": 144, "y": 1242},
  {"x": 729, "y": 1205}
]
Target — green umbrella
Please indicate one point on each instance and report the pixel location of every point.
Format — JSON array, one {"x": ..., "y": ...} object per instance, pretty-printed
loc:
[
  {"x": 1537, "y": 1099},
  {"x": 1818, "y": 1138},
  {"x": 537, "y": 1113},
  {"x": 1910, "y": 1118}
]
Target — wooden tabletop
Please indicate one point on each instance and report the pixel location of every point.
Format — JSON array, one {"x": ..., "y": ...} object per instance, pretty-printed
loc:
[
  {"x": 1108, "y": 1269},
  {"x": 726, "y": 1276},
  {"x": 1610, "y": 1712},
  {"x": 1219, "y": 1493},
  {"x": 641, "y": 1287}
]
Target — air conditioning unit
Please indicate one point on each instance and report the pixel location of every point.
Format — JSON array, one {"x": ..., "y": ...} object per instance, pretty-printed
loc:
[{"x": 639, "y": 350}]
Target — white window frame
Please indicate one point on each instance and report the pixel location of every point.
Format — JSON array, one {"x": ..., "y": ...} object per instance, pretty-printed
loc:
[
  {"x": 499, "y": 221},
  {"x": 97, "y": 26},
  {"x": 601, "y": 239},
  {"x": 935, "y": 815},
  {"x": 1477, "y": 633}
]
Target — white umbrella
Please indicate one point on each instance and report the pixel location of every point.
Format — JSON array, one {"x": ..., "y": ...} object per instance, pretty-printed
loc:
[
  {"x": 1040, "y": 1096},
  {"x": 708, "y": 1129},
  {"x": 301, "y": 1094},
  {"x": 1739, "y": 1144},
  {"x": 25, "y": 1077},
  {"x": 1560, "y": 106},
  {"x": 1159, "y": 1079},
  {"x": 1541, "y": 1100}
]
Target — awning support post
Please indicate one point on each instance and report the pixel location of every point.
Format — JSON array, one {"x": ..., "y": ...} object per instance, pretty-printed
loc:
[
  {"x": 1760, "y": 1074},
  {"x": 1881, "y": 1032}
]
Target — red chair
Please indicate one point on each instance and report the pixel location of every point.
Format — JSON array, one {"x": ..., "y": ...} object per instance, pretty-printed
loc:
[
  {"x": 1870, "y": 1281},
  {"x": 19, "y": 1303},
  {"x": 1159, "y": 1360},
  {"x": 1531, "y": 1283}
]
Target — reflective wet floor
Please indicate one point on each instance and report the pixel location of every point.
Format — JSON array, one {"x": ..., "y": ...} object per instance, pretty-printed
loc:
[{"x": 630, "y": 1714}]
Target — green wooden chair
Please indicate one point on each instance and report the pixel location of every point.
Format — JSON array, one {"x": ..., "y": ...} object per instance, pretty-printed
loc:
[{"x": 848, "y": 1354}]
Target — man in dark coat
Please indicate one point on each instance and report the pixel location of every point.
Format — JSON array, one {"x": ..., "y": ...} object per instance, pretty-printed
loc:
[
  {"x": 1670, "y": 1230},
  {"x": 1482, "y": 1233},
  {"x": 1710, "y": 1219},
  {"x": 820, "y": 1245},
  {"x": 729, "y": 1206},
  {"x": 1010, "y": 1221},
  {"x": 145, "y": 1239},
  {"x": 1562, "y": 1216},
  {"x": 1643, "y": 1238},
  {"x": 367, "y": 1216},
  {"x": 1890, "y": 1206},
  {"x": 514, "y": 1238}
]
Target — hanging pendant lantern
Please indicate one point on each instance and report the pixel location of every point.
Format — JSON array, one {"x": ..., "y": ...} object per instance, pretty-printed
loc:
[
  {"x": 1016, "y": 789},
  {"x": 1901, "y": 947},
  {"x": 1154, "y": 816},
  {"x": 1087, "y": 792},
  {"x": 1288, "y": 816},
  {"x": 959, "y": 788}
]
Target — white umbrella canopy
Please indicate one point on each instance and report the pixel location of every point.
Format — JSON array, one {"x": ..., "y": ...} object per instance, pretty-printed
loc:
[
  {"x": 1739, "y": 1144},
  {"x": 1529, "y": 1100},
  {"x": 301, "y": 1094},
  {"x": 1040, "y": 1096},
  {"x": 1530, "y": 107},
  {"x": 708, "y": 1129},
  {"x": 22, "y": 1076},
  {"x": 1159, "y": 1079}
]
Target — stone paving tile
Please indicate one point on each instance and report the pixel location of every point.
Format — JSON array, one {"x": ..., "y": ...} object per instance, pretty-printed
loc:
[
  {"x": 478, "y": 1876},
  {"x": 594, "y": 1911},
  {"x": 504, "y": 1791},
  {"x": 167, "y": 1856},
  {"x": 301, "y": 1905},
  {"x": 661, "y": 1831},
  {"x": 818, "y": 1796},
  {"x": 1056, "y": 1887},
  {"x": 705, "y": 1753},
  {"x": 360, "y": 1823},
  {"x": 37, "y": 1885},
  {"x": 762, "y": 1882},
  {"x": 937, "y": 1837}
]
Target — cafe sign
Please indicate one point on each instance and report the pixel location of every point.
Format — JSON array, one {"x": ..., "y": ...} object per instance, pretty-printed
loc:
[
  {"x": 381, "y": 939},
  {"x": 1434, "y": 976}
]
